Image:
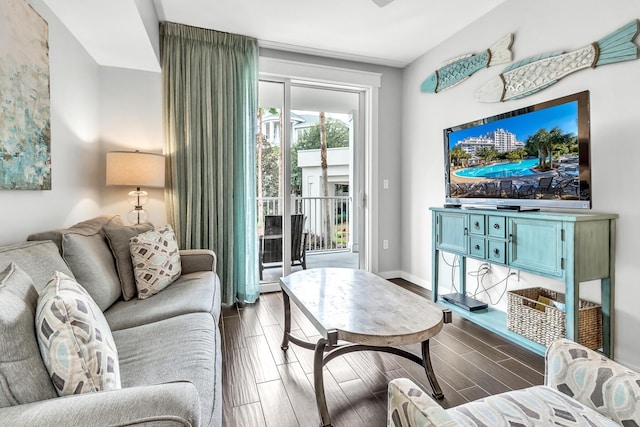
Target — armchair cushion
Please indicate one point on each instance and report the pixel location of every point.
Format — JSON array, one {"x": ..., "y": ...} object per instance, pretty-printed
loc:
[
  {"x": 410, "y": 406},
  {"x": 533, "y": 406},
  {"x": 594, "y": 380},
  {"x": 75, "y": 341},
  {"x": 23, "y": 376}
]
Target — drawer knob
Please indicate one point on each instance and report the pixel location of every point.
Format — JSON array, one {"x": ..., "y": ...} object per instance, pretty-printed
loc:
[
  {"x": 496, "y": 252},
  {"x": 476, "y": 224},
  {"x": 496, "y": 226},
  {"x": 476, "y": 247}
]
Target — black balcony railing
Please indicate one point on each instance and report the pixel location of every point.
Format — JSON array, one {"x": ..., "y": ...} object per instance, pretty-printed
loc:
[{"x": 328, "y": 219}]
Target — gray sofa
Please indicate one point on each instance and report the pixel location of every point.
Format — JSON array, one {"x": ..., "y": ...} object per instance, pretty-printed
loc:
[
  {"x": 582, "y": 388},
  {"x": 168, "y": 345}
]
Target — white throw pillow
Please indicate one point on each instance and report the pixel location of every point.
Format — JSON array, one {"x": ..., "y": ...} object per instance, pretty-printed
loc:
[
  {"x": 156, "y": 260},
  {"x": 75, "y": 340}
]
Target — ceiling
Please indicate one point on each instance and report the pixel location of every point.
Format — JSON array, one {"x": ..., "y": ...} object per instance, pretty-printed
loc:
[{"x": 123, "y": 33}]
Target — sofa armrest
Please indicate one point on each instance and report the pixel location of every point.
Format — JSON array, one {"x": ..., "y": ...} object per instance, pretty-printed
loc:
[
  {"x": 594, "y": 380},
  {"x": 197, "y": 260},
  {"x": 172, "y": 404},
  {"x": 409, "y": 406}
]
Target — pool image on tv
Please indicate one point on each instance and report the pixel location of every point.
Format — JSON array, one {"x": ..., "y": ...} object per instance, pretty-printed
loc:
[{"x": 529, "y": 154}]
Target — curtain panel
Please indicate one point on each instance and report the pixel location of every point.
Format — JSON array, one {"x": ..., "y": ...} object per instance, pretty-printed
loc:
[{"x": 210, "y": 86}]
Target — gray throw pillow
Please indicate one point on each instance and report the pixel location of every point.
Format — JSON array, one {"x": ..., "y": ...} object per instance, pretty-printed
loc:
[
  {"x": 118, "y": 239},
  {"x": 23, "y": 376},
  {"x": 92, "y": 264}
]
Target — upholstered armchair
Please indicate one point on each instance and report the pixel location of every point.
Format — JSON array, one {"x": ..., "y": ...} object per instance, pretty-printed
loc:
[{"x": 582, "y": 387}]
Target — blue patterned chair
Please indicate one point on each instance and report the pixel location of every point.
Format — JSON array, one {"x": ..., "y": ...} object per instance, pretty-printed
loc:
[{"x": 582, "y": 388}]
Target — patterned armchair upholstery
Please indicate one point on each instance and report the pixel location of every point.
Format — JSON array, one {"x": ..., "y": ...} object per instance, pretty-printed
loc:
[{"x": 582, "y": 387}]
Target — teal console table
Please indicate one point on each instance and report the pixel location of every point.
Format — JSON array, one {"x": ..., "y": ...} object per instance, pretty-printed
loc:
[{"x": 569, "y": 247}]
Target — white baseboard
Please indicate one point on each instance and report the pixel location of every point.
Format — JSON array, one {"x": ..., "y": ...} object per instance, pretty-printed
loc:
[
  {"x": 417, "y": 280},
  {"x": 389, "y": 274},
  {"x": 394, "y": 274}
]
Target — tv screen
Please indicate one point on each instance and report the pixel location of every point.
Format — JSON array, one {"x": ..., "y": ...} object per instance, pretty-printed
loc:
[{"x": 533, "y": 157}]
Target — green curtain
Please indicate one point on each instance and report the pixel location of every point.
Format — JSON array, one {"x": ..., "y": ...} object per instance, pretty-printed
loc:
[{"x": 210, "y": 87}]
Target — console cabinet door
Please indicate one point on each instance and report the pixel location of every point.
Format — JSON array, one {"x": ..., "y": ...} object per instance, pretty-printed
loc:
[
  {"x": 451, "y": 232},
  {"x": 537, "y": 246}
]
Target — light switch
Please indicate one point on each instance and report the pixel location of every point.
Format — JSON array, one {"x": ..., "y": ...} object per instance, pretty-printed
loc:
[{"x": 385, "y": 184}]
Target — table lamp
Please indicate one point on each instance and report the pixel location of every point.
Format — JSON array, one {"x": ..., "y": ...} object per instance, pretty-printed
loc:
[{"x": 136, "y": 169}]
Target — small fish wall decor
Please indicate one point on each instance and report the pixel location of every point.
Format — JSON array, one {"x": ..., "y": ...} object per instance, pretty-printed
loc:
[
  {"x": 459, "y": 69},
  {"x": 531, "y": 75}
]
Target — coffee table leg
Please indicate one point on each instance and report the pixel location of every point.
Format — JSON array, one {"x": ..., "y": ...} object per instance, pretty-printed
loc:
[
  {"x": 431, "y": 376},
  {"x": 287, "y": 321},
  {"x": 318, "y": 383}
]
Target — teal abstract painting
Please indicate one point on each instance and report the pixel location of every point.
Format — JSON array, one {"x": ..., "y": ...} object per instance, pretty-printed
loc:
[{"x": 25, "y": 132}]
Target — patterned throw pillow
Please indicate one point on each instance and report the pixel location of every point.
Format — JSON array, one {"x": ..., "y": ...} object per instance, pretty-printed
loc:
[
  {"x": 75, "y": 340},
  {"x": 156, "y": 260}
]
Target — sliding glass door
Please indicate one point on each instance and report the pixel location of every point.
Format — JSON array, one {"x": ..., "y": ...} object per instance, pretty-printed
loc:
[{"x": 315, "y": 161}]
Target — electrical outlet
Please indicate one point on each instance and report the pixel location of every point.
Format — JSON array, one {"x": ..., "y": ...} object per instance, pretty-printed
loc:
[{"x": 385, "y": 244}]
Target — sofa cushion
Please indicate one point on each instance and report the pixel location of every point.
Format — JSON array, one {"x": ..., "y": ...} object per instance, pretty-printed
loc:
[
  {"x": 75, "y": 341},
  {"x": 182, "y": 348},
  {"x": 118, "y": 240},
  {"x": 38, "y": 259},
  {"x": 23, "y": 376},
  {"x": 192, "y": 293},
  {"x": 90, "y": 226},
  {"x": 91, "y": 261},
  {"x": 533, "y": 406},
  {"x": 156, "y": 260}
]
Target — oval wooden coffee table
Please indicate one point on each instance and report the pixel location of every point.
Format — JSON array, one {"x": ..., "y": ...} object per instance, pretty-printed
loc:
[{"x": 368, "y": 312}]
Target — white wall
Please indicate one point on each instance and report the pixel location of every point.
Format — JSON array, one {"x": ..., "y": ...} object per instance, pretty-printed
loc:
[
  {"x": 74, "y": 144},
  {"x": 538, "y": 27},
  {"x": 130, "y": 119}
]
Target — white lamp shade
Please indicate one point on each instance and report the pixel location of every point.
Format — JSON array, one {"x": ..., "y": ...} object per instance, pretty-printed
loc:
[{"x": 135, "y": 169}]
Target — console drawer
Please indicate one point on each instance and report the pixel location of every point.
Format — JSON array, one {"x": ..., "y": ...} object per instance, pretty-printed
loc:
[
  {"x": 497, "y": 226},
  {"x": 477, "y": 247},
  {"x": 476, "y": 224},
  {"x": 497, "y": 251}
]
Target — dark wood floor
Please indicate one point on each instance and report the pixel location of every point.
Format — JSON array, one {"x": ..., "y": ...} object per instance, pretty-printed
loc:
[{"x": 265, "y": 386}]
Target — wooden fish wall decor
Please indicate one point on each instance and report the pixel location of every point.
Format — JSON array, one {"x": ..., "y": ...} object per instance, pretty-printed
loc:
[
  {"x": 531, "y": 75},
  {"x": 458, "y": 69}
]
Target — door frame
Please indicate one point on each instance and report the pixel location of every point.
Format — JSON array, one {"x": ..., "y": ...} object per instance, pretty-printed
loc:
[{"x": 368, "y": 83}]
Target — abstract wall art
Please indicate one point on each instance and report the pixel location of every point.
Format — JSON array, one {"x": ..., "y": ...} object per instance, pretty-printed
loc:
[{"x": 25, "y": 133}]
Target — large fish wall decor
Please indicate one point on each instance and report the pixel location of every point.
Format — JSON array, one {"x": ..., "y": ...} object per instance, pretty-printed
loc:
[
  {"x": 531, "y": 75},
  {"x": 458, "y": 69}
]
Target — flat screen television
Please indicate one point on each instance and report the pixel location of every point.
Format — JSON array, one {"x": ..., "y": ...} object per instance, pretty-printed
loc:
[{"x": 530, "y": 158}]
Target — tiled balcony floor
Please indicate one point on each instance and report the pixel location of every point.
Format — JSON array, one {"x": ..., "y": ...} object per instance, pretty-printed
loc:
[{"x": 317, "y": 260}]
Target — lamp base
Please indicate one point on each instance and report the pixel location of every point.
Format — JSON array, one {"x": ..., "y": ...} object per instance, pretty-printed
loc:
[
  {"x": 137, "y": 198},
  {"x": 138, "y": 216}
]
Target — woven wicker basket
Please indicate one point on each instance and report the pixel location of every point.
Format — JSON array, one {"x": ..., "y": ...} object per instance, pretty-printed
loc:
[{"x": 544, "y": 326}]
